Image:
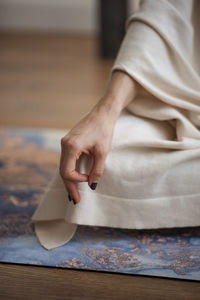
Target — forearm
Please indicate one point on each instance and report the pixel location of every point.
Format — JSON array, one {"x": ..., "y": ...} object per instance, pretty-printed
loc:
[{"x": 121, "y": 90}]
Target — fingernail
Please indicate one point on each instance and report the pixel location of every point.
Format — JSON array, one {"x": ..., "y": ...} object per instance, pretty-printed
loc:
[
  {"x": 74, "y": 201},
  {"x": 93, "y": 185},
  {"x": 70, "y": 199}
]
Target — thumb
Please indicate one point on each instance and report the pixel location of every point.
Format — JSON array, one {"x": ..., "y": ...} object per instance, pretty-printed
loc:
[{"x": 97, "y": 170}]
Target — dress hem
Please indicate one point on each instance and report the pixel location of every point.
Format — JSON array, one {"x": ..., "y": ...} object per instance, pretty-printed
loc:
[{"x": 175, "y": 211}]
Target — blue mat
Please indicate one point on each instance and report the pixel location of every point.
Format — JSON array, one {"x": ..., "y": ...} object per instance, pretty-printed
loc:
[{"x": 28, "y": 160}]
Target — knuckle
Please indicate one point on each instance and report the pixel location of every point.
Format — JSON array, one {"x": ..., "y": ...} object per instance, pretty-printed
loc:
[
  {"x": 101, "y": 151},
  {"x": 72, "y": 143},
  {"x": 97, "y": 173},
  {"x": 63, "y": 141},
  {"x": 64, "y": 174},
  {"x": 69, "y": 142}
]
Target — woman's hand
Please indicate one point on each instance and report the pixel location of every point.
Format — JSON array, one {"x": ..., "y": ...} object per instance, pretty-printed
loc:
[{"x": 93, "y": 134}]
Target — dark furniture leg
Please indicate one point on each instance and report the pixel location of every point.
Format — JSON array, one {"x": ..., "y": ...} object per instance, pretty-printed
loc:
[{"x": 112, "y": 18}]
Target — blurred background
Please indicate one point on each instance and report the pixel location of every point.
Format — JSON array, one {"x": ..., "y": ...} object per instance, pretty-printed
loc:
[{"x": 56, "y": 57}]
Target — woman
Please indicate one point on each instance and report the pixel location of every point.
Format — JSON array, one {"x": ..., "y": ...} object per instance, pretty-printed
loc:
[{"x": 133, "y": 160}]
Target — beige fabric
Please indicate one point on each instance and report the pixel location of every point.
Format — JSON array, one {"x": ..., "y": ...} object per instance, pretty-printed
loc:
[{"x": 151, "y": 175}]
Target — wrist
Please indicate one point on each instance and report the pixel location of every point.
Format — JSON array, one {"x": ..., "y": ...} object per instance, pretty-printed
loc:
[
  {"x": 109, "y": 106},
  {"x": 120, "y": 91}
]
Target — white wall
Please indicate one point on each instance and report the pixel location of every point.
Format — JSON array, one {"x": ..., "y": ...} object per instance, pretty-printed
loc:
[
  {"x": 48, "y": 15},
  {"x": 75, "y": 16}
]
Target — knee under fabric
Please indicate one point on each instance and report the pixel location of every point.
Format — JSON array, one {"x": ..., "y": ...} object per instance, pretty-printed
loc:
[{"x": 142, "y": 187}]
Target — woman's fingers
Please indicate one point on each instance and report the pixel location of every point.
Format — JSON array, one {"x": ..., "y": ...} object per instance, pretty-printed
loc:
[
  {"x": 91, "y": 142},
  {"x": 68, "y": 171},
  {"x": 68, "y": 164},
  {"x": 73, "y": 191},
  {"x": 97, "y": 168},
  {"x": 70, "y": 176}
]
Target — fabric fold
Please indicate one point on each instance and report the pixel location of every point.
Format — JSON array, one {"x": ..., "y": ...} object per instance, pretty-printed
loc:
[
  {"x": 151, "y": 174},
  {"x": 158, "y": 51},
  {"x": 51, "y": 228}
]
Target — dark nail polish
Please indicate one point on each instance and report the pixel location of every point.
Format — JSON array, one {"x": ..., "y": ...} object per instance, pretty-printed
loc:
[
  {"x": 74, "y": 201},
  {"x": 70, "y": 199},
  {"x": 93, "y": 185}
]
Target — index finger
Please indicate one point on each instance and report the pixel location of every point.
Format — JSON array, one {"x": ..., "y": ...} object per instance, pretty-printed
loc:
[{"x": 68, "y": 167}]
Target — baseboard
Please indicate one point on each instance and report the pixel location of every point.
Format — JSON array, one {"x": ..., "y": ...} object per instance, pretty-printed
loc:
[{"x": 48, "y": 15}]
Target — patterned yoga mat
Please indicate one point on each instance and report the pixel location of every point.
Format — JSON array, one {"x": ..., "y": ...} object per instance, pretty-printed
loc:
[{"x": 28, "y": 159}]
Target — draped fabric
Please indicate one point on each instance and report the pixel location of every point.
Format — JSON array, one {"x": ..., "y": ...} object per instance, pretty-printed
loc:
[{"x": 151, "y": 174}]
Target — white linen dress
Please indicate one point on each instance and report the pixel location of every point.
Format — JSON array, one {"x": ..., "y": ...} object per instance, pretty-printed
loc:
[{"x": 151, "y": 175}]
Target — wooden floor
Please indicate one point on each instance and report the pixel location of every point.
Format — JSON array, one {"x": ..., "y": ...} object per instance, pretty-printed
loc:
[
  {"x": 51, "y": 81},
  {"x": 29, "y": 282}
]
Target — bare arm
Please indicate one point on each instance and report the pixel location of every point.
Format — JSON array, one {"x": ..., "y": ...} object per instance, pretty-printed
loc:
[
  {"x": 92, "y": 135},
  {"x": 121, "y": 90}
]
